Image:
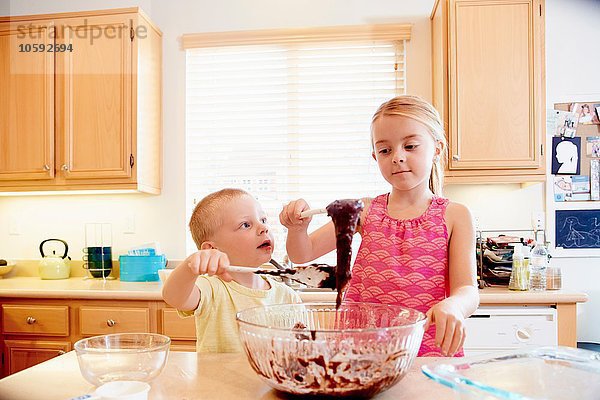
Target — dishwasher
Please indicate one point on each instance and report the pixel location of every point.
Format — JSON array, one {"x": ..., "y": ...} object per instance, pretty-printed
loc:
[{"x": 510, "y": 327}]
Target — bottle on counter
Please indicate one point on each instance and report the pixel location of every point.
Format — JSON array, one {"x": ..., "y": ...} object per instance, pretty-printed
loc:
[
  {"x": 519, "y": 279},
  {"x": 537, "y": 267}
]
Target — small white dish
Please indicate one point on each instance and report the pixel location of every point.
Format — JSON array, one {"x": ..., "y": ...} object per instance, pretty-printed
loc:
[
  {"x": 118, "y": 390},
  {"x": 163, "y": 274}
]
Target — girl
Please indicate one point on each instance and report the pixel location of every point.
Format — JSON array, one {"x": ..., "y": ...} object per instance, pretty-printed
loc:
[{"x": 418, "y": 249}]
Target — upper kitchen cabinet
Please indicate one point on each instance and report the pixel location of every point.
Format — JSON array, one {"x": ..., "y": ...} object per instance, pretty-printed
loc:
[
  {"x": 82, "y": 109},
  {"x": 488, "y": 85}
]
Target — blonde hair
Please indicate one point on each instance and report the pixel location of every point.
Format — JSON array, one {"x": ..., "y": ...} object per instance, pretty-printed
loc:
[
  {"x": 416, "y": 108},
  {"x": 206, "y": 217}
]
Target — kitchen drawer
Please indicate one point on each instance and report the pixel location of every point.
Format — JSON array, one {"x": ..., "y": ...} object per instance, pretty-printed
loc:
[
  {"x": 106, "y": 320},
  {"x": 30, "y": 319},
  {"x": 176, "y": 327},
  {"x": 496, "y": 328}
]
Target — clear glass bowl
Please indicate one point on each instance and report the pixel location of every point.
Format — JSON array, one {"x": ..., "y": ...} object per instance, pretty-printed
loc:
[
  {"x": 314, "y": 349},
  {"x": 122, "y": 357},
  {"x": 548, "y": 373}
]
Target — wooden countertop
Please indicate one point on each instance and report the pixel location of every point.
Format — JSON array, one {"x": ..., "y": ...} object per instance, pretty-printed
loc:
[{"x": 193, "y": 376}]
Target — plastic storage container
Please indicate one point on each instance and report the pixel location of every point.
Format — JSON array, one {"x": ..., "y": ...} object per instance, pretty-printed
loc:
[
  {"x": 141, "y": 268},
  {"x": 549, "y": 373}
]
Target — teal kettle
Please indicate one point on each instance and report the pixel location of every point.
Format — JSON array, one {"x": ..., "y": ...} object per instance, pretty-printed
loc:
[{"x": 53, "y": 266}]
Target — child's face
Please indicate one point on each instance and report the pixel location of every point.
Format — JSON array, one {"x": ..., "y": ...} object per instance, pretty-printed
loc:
[
  {"x": 404, "y": 150},
  {"x": 244, "y": 234}
]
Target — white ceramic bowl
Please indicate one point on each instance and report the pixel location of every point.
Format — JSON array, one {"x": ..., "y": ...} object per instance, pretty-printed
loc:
[{"x": 122, "y": 357}]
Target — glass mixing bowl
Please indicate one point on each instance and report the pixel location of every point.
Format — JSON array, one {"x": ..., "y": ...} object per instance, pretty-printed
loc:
[
  {"x": 314, "y": 349},
  {"x": 122, "y": 357}
]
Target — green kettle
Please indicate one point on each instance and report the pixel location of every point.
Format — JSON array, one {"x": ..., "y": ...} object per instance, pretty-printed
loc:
[{"x": 53, "y": 266}]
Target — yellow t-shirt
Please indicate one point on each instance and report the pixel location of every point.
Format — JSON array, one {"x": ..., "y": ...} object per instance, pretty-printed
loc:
[{"x": 216, "y": 328}]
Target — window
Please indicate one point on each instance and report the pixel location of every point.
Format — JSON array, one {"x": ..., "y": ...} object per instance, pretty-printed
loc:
[{"x": 286, "y": 119}]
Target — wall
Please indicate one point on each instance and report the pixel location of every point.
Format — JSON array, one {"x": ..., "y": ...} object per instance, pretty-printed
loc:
[
  {"x": 162, "y": 218},
  {"x": 572, "y": 65}
]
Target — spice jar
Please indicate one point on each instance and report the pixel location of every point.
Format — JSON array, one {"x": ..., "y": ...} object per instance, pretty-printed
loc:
[{"x": 553, "y": 278}]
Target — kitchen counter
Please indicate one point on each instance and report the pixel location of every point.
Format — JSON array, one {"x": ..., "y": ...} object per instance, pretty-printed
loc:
[
  {"x": 190, "y": 375},
  {"x": 78, "y": 287},
  {"x": 30, "y": 287}
]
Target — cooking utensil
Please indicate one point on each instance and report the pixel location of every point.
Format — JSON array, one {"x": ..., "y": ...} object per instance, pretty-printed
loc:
[
  {"x": 276, "y": 264},
  {"x": 313, "y": 275},
  {"x": 314, "y": 211},
  {"x": 52, "y": 266},
  {"x": 355, "y": 351}
]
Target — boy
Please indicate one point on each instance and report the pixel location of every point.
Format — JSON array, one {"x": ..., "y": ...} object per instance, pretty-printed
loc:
[{"x": 229, "y": 228}]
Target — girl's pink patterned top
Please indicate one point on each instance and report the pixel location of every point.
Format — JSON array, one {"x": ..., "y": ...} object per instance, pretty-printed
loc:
[{"x": 403, "y": 262}]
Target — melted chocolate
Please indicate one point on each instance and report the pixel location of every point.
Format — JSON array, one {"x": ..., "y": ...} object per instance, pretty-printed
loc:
[
  {"x": 313, "y": 275},
  {"x": 345, "y": 215}
]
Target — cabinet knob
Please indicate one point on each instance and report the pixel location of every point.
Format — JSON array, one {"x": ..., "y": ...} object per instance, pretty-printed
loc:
[
  {"x": 65, "y": 167},
  {"x": 61, "y": 352},
  {"x": 30, "y": 320},
  {"x": 523, "y": 334},
  {"x": 456, "y": 157},
  {"x": 46, "y": 167},
  {"x": 111, "y": 322}
]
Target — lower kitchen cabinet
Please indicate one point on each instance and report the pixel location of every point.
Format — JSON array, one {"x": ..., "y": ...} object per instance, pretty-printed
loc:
[
  {"x": 36, "y": 330},
  {"x": 22, "y": 354}
]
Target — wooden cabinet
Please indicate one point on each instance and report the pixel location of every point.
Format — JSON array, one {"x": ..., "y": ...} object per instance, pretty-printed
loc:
[
  {"x": 35, "y": 330},
  {"x": 26, "y": 105},
  {"x": 182, "y": 331},
  {"x": 22, "y": 354},
  {"x": 488, "y": 85},
  {"x": 107, "y": 320},
  {"x": 84, "y": 113}
]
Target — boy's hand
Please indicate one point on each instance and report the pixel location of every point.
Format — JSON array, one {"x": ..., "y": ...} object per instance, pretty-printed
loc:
[
  {"x": 209, "y": 262},
  {"x": 290, "y": 215},
  {"x": 449, "y": 326}
]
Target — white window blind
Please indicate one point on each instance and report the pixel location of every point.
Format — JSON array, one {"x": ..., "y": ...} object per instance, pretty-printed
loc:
[{"x": 287, "y": 121}]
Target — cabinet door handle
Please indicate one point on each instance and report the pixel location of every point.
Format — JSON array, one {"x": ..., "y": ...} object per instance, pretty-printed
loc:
[
  {"x": 30, "y": 320},
  {"x": 456, "y": 157},
  {"x": 111, "y": 322},
  {"x": 61, "y": 352},
  {"x": 65, "y": 167},
  {"x": 46, "y": 167}
]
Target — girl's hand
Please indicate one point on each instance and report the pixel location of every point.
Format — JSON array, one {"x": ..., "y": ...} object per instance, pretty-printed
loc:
[
  {"x": 449, "y": 326},
  {"x": 290, "y": 215},
  {"x": 209, "y": 262}
]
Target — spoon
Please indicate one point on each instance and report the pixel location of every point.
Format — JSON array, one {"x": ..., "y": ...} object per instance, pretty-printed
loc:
[
  {"x": 313, "y": 275},
  {"x": 314, "y": 211}
]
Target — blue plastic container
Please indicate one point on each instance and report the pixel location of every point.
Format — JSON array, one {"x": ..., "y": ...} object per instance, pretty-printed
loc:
[{"x": 141, "y": 268}]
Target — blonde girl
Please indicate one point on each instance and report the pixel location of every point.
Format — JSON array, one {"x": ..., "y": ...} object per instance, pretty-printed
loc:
[{"x": 418, "y": 248}]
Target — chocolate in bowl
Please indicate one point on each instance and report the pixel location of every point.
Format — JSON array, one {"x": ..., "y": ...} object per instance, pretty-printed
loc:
[{"x": 313, "y": 349}]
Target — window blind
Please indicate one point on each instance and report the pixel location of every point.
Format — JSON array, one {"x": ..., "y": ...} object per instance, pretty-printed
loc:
[{"x": 285, "y": 121}]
